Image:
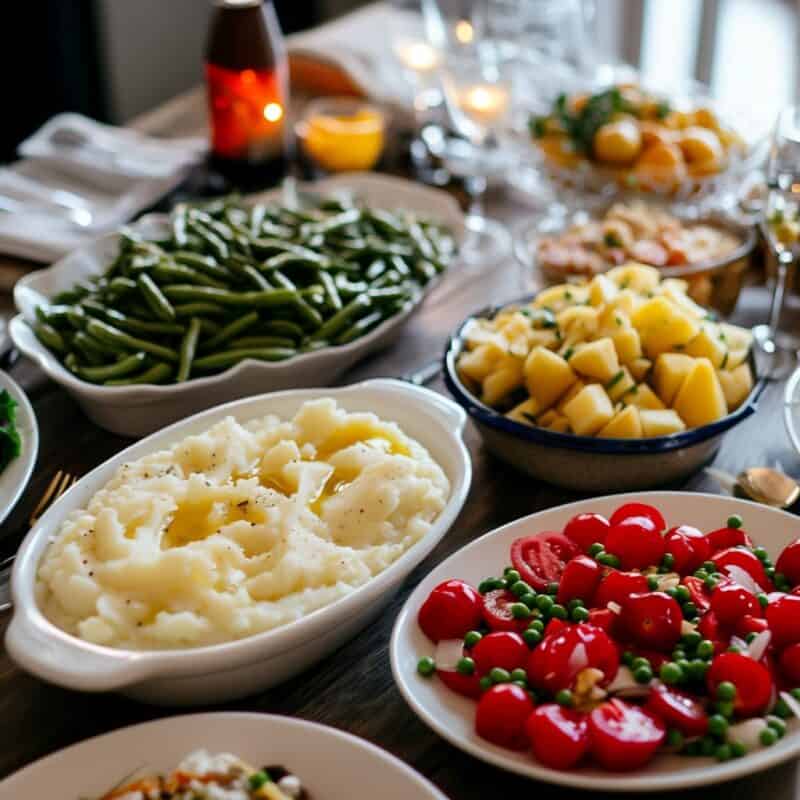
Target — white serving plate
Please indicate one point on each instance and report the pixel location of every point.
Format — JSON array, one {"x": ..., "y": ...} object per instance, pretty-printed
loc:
[
  {"x": 452, "y": 716},
  {"x": 139, "y": 410},
  {"x": 332, "y": 765},
  {"x": 235, "y": 669},
  {"x": 14, "y": 478}
]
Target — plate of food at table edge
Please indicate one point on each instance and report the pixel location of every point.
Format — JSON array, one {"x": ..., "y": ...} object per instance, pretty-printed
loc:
[{"x": 643, "y": 641}]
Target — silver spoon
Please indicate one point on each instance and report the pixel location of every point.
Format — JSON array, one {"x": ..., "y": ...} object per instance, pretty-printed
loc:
[{"x": 768, "y": 486}]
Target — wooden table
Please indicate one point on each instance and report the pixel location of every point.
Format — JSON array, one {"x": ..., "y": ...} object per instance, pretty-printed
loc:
[{"x": 353, "y": 689}]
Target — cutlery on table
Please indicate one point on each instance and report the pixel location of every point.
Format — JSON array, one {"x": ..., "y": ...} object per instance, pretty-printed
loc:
[{"x": 765, "y": 485}]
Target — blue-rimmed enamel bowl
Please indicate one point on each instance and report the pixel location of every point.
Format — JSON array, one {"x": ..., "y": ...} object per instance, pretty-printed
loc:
[{"x": 590, "y": 463}]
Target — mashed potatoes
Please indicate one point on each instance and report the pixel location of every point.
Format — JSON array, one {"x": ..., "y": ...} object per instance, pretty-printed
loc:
[{"x": 240, "y": 529}]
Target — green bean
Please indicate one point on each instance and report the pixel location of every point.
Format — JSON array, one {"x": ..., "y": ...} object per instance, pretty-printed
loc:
[
  {"x": 257, "y": 214},
  {"x": 50, "y": 337},
  {"x": 107, "y": 333},
  {"x": 56, "y": 316},
  {"x": 310, "y": 260},
  {"x": 387, "y": 294},
  {"x": 179, "y": 226},
  {"x": 133, "y": 324},
  {"x": 208, "y": 327},
  {"x": 335, "y": 302},
  {"x": 261, "y": 341},
  {"x": 343, "y": 318},
  {"x": 386, "y": 223},
  {"x": 214, "y": 225},
  {"x": 282, "y": 281},
  {"x": 228, "y": 358},
  {"x": 263, "y": 299},
  {"x": 71, "y": 362},
  {"x": 360, "y": 327},
  {"x": 76, "y": 317},
  {"x": 283, "y": 327},
  {"x": 144, "y": 262},
  {"x": 92, "y": 357},
  {"x": 307, "y": 313},
  {"x": 207, "y": 264},
  {"x": 231, "y": 330},
  {"x": 425, "y": 270},
  {"x": 200, "y": 308},
  {"x": 256, "y": 277},
  {"x": 389, "y": 278},
  {"x": 156, "y": 374},
  {"x": 166, "y": 271},
  {"x": 119, "y": 287},
  {"x": 375, "y": 269},
  {"x": 331, "y": 224},
  {"x": 188, "y": 347},
  {"x": 400, "y": 266},
  {"x": 94, "y": 349},
  {"x": 217, "y": 245},
  {"x": 159, "y": 304},
  {"x": 116, "y": 370},
  {"x": 312, "y": 345}
]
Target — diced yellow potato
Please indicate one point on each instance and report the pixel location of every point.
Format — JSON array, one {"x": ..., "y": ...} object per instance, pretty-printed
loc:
[
  {"x": 735, "y": 337},
  {"x": 559, "y": 425},
  {"x": 478, "y": 363},
  {"x": 625, "y": 424},
  {"x": 548, "y": 418},
  {"x": 660, "y": 422},
  {"x": 700, "y": 399},
  {"x": 639, "y": 368},
  {"x": 675, "y": 291},
  {"x": 669, "y": 372},
  {"x": 736, "y": 385},
  {"x": 736, "y": 358},
  {"x": 621, "y": 383},
  {"x": 639, "y": 277},
  {"x": 707, "y": 344},
  {"x": 596, "y": 360},
  {"x": 501, "y": 381},
  {"x": 663, "y": 327},
  {"x": 627, "y": 344},
  {"x": 627, "y": 301},
  {"x": 602, "y": 290},
  {"x": 478, "y": 332},
  {"x": 557, "y": 298},
  {"x": 589, "y": 411},
  {"x": 643, "y": 397},
  {"x": 543, "y": 337},
  {"x": 526, "y": 412},
  {"x": 569, "y": 394},
  {"x": 547, "y": 376},
  {"x": 577, "y": 323}
]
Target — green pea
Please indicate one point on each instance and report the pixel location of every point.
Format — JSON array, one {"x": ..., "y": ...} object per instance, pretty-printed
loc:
[
  {"x": 608, "y": 560},
  {"x": 689, "y": 610},
  {"x": 705, "y": 649},
  {"x": 471, "y": 638},
  {"x": 795, "y": 693},
  {"x": 738, "y": 749},
  {"x": 564, "y": 698},
  {"x": 652, "y": 583},
  {"x": 579, "y": 614},
  {"x": 519, "y": 675},
  {"x": 682, "y": 594},
  {"x": 485, "y": 683},
  {"x": 726, "y": 691},
  {"x": 710, "y": 567},
  {"x": 552, "y": 588},
  {"x": 698, "y": 669},
  {"x": 701, "y": 573},
  {"x": 711, "y": 582},
  {"x": 718, "y": 726},
  {"x": 707, "y": 746},
  {"x": 520, "y": 610},
  {"x": 674, "y": 738},
  {"x": 782, "y": 710},
  {"x": 426, "y": 666},
  {"x": 692, "y": 748},
  {"x": 466, "y": 666},
  {"x": 557, "y": 611},
  {"x": 511, "y": 575},
  {"x": 778, "y": 725},
  {"x": 499, "y": 675},
  {"x": 668, "y": 560},
  {"x": 670, "y": 673},
  {"x": 723, "y": 753},
  {"x": 595, "y": 548},
  {"x": 678, "y": 654},
  {"x": 258, "y": 779},
  {"x": 643, "y": 675},
  {"x": 521, "y": 684},
  {"x": 761, "y": 553},
  {"x": 529, "y": 599},
  {"x": 725, "y": 708},
  {"x": 487, "y": 585},
  {"x": 575, "y": 603},
  {"x": 692, "y": 639},
  {"x": 640, "y": 661},
  {"x": 768, "y": 737},
  {"x": 544, "y": 603},
  {"x": 536, "y": 625},
  {"x": 532, "y": 637},
  {"x": 520, "y": 588},
  {"x": 672, "y": 592},
  {"x": 781, "y": 582},
  {"x": 735, "y": 521}
]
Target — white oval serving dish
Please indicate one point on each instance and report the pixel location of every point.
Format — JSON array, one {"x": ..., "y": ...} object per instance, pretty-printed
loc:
[
  {"x": 139, "y": 410},
  {"x": 235, "y": 669},
  {"x": 331, "y": 765},
  {"x": 452, "y": 716}
]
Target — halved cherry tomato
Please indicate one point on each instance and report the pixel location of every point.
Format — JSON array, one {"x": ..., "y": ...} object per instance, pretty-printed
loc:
[
  {"x": 723, "y": 538},
  {"x": 540, "y": 559},
  {"x": 617, "y": 587},
  {"x": 790, "y": 663},
  {"x": 586, "y": 529},
  {"x": 783, "y": 618},
  {"x": 624, "y": 736},
  {"x": 639, "y": 510},
  {"x": 497, "y": 611},
  {"x": 697, "y": 593},
  {"x": 688, "y": 546},
  {"x": 555, "y": 663},
  {"x": 752, "y": 680},
  {"x": 744, "y": 559},
  {"x": 730, "y": 602},
  {"x": 749, "y": 624},
  {"x": 653, "y": 619},
  {"x": 603, "y": 618},
  {"x": 677, "y": 710},
  {"x": 504, "y": 649},
  {"x": 468, "y": 685},
  {"x": 789, "y": 563},
  {"x": 452, "y": 609},
  {"x": 636, "y": 541},
  {"x": 579, "y": 579},
  {"x": 501, "y": 716},
  {"x": 559, "y": 736},
  {"x": 709, "y": 628}
]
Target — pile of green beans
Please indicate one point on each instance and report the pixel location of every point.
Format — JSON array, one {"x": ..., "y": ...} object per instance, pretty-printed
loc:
[{"x": 231, "y": 282}]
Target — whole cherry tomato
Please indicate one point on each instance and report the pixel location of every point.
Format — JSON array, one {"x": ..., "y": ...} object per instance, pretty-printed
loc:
[
  {"x": 452, "y": 609},
  {"x": 561, "y": 655},
  {"x": 688, "y": 546},
  {"x": 730, "y": 602},
  {"x": 697, "y": 593},
  {"x": 497, "y": 611},
  {"x": 639, "y": 510},
  {"x": 789, "y": 563},
  {"x": 723, "y": 538},
  {"x": 783, "y": 618},
  {"x": 637, "y": 543},
  {"x": 653, "y": 619},
  {"x": 468, "y": 685},
  {"x": 503, "y": 649},
  {"x": 789, "y": 662},
  {"x": 501, "y": 716},
  {"x": 540, "y": 559},
  {"x": 586, "y": 529},
  {"x": 579, "y": 579},
  {"x": 752, "y": 680},
  {"x": 744, "y": 559},
  {"x": 559, "y": 736},
  {"x": 617, "y": 587},
  {"x": 677, "y": 710},
  {"x": 624, "y": 736},
  {"x": 603, "y": 618}
]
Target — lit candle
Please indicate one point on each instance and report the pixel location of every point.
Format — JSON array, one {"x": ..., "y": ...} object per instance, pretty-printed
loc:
[
  {"x": 464, "y": 31},
  {"x": 417, "y": 56},
  {"x": 486, "y": 103}
]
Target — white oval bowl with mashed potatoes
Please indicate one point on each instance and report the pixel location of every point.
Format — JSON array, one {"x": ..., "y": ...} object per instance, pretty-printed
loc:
[{"x": 150, "y": 580}]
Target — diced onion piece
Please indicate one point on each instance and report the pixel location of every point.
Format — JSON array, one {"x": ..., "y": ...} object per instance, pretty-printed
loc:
[
  {"x": 759, "y": 645},
  {"x": 748, "y": 732},
  {"x": 687, "y": 627},
  {"x": 578, "y": 659},
  {"x": 741, "y": 644},
  {"x": 448, "y": 653},
  {"x": 616, "y": 608},
  {"x": 668, "y": 581},
  {"x": 743, "y": 578},
  {"x": 794, "y": 706},
  {"x": 625, "y": 685}
]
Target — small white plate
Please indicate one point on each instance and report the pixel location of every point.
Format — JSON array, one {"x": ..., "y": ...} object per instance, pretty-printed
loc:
[
  {"x": 332, "y": 765},
  {"x": 452, "y": 716},
  {"x": 14, "y": 478}
]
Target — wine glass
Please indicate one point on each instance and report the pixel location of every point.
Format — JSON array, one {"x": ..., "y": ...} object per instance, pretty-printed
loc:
[{"x": 780, "y": 225}]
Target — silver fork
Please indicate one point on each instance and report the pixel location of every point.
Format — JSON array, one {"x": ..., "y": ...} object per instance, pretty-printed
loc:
[{"x": 58, "y": 486}]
